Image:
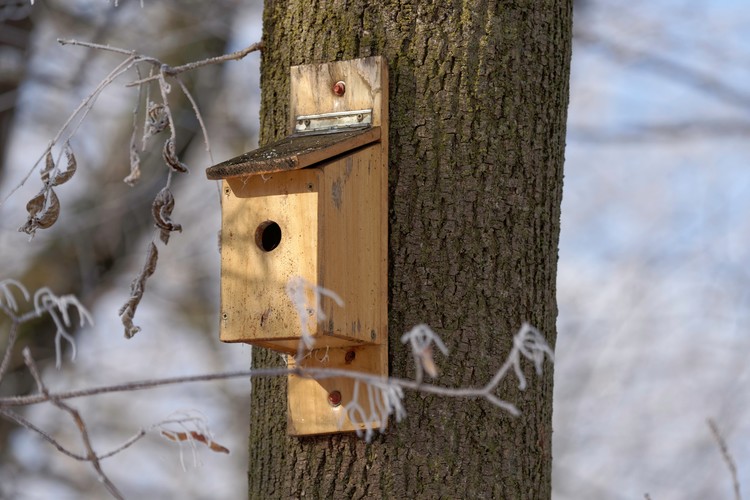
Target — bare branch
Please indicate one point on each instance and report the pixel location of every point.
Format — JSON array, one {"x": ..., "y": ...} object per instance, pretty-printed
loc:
[
  {"x": 18, "y": 419},
  {"x": 91, "y": 45},
  {"x": 12, "y": 338},
  {"x": 727, "y": 456},
  {"x": 678, "y": 72},
  {"x": 198, "y": 116},
  {"x": 170, "y": 71},
  {"x": 692, "y": 130},
  {"x": 91, "y": 455}
]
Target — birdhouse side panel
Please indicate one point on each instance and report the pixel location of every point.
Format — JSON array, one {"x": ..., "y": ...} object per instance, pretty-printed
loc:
[
  {"x": 269, "y": 237},
  {"x": 353, "y": 245}
]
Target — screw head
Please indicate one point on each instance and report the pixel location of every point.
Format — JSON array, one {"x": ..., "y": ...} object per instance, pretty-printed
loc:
[
  {"x": 334, "y": 398},
  {"x": 339, "y": 88},
  {"x": 349, "y": 357}
]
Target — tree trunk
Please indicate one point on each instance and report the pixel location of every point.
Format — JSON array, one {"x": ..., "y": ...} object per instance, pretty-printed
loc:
[{"x": 478, "y": 100}]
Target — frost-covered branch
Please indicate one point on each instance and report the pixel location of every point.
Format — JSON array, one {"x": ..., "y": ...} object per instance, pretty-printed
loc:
[{"x": 385, "y": 395}]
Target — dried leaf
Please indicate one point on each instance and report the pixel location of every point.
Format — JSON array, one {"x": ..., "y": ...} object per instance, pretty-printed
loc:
[
  {"x": 195, "y": 436},
  {"x": 428, "y": 363},
  {"x": 28, "y": 228},
  {"x": 36, "y": 203},
  {"x": 170, "y": 157},
  {"x": 48, "y": 204},
  {"x": 214, "y": 446},
  {"x": 51, "y": 211},
  {"x": 49, "y": 165},
  {"x": 137, "y": 287},
  {"x": 63, "y": 177},
  {"x": 161, "y": 210},
  {"x": 135, "y": 166},
  {"x": 157, "y": 120}
]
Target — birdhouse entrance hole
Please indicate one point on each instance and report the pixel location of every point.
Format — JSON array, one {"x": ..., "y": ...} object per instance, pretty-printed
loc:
[{"x": 268, "y": 235}]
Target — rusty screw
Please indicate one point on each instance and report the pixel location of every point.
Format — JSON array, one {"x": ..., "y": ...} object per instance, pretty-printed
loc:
[
  {"x": 339, "y": 88},
  {"x": 349, "y": 357},
  {"x": 334, "y": 398}
]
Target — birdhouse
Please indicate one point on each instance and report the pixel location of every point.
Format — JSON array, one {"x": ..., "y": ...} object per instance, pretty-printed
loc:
[{"x": 304, "y": 239}]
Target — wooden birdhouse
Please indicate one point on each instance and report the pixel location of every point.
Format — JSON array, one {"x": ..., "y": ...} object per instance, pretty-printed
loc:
[{"x": 311, "y": 211}]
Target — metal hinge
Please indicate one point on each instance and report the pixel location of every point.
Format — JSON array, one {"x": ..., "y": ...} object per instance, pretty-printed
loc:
[{"x": 333, "y": 122}]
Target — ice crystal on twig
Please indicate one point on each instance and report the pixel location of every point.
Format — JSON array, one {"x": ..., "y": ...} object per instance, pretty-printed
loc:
[
  {"x": 189, "y": 427},
  {"x": 58, "y": 309},
  {"x": 421, "y": 338},
  {"x": 298, "y": 289},
  {"x": 385, "y": 399},
  {"x": 7, "y": 292}
]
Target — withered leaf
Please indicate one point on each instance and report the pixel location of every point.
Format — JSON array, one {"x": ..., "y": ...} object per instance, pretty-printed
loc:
[
  {"x": 170, "y": 157},
  {"x": 137, "y": 287},
  {"x": 48, "y": 204},
  {"x": 35, "y": 204},
  {"x": 51, "y": 211},
  {"x": 428, "y": 363},
  {"x": 63, "y": 177},
  {"x": 195, "y": 436},
  {"x": 157, "y": 120},
  {"x": 49, "y": 165},
  {"x": 161, "y": 210},
  {"x": 135, "y": 166}
]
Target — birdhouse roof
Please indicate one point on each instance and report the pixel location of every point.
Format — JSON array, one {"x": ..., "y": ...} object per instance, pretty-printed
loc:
[{"x": 293, "y": 153}]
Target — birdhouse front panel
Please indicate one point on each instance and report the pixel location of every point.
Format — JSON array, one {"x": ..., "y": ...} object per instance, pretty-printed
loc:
[
  {"x": 324, "y": 224},
  {"x": 269, "y": 236}
]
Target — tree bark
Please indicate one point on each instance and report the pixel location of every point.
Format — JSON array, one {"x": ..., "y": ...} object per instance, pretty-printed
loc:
[{"x": 478, "y": 102}]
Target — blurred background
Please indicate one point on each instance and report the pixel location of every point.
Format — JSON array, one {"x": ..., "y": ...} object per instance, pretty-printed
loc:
[{"x": 654, "y": 282}]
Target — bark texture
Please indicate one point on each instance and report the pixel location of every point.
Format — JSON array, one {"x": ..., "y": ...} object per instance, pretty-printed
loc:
[{"x": 478, "y": 100}]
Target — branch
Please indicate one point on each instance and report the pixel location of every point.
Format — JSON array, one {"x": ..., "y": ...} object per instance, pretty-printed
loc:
[
  {"x": 674, "y": 70},
  {"x": 173, "y": 71},
  {"x": 91, "y": 455},
  {"x": 678, "y": 131},
  {"x": 731, "y": 465},
  {"x": 522, "y": 347}
]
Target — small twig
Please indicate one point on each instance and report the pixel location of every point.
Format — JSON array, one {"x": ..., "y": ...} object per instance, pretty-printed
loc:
[
  {"x": 127, "y": 444},
  {"x": 92, "y": 45},
  {"x": 198, "y": 116},
  {"x": 28, "y": 425},
  {"x": 135, "y": 160},
  {"x": 731, "y": 465},
  {"x": 12, "y": 337},
  {"x": 91, "y": 455},
  {"x": 173, "y": 71}
]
